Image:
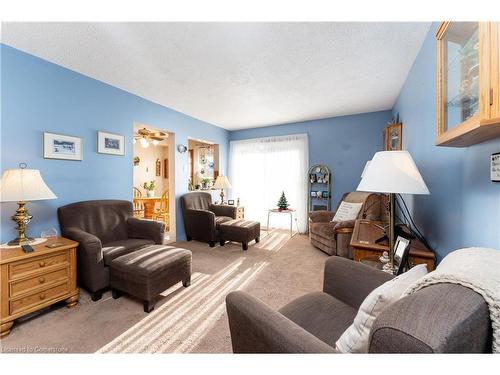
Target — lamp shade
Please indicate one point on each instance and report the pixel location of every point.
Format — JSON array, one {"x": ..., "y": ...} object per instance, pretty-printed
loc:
[
  {"x": 393, "y": 172},
  {"x": 222, "y": 183},
  {"x": 24, "y": 185}
]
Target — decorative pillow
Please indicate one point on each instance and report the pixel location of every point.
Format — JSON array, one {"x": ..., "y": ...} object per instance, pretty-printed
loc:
[
  {"x": 347, "y": 211},
  {"x": 355, "y": 338}
]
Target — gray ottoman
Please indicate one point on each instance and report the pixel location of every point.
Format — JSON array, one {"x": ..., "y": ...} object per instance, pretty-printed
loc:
[
  {"x": 239, "y": 230},
  {"x": 147, "y": 272}
]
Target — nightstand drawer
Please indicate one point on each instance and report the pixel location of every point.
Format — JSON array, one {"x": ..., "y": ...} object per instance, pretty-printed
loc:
[
  {"x": 38, "y": 281},
  {"x": 41, "y": 297},
  {"x": 21, "y": 268}
]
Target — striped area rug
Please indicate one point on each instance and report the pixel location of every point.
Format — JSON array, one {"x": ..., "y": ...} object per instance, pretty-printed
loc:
[{"x": 180, "y": 323}]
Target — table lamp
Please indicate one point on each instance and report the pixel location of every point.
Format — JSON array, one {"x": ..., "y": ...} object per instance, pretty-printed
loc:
[
  {"x": 222, "y": 183},
  {"x": 392, "y": 172},
  {"x": 23, "y": 185}
]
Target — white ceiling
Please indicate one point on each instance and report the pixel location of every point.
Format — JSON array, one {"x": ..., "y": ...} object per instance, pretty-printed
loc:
[{"x": 237, "y": 75}]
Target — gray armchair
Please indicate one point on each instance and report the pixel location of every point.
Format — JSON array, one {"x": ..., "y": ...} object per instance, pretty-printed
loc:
[
  {"x": 202, "y": 218},
  {"x": 443, "y": 318},
  {"x": 105, "y": 230}
]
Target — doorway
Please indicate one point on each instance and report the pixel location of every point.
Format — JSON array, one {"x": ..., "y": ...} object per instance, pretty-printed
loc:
[
  {"x": 154, "y": 176},
  {"x": 203, "y": 164}
]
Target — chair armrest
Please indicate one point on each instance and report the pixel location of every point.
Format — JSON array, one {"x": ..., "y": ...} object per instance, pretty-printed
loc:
[
  {"x": 351, "y": 281},
  {"x": 321, "y": 216},
  {"x": 348, "y": 224},
  {"x": 200, "y": 224},
  {"x": 256, "y": 328},
  {"x": 146, "y": 229},
  {"x": 229, "y": 211},
  {"x": 86, "y": 240},
  {"x": 92, "y": 272}
]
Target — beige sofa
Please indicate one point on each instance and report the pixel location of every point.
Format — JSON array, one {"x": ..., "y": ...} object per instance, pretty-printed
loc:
[{"x": 334, "y": 237}]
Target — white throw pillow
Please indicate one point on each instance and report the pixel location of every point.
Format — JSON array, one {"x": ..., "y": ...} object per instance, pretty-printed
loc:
[
  {"x": 347, "y": 211},
  {"x": 355, "y": 338}
]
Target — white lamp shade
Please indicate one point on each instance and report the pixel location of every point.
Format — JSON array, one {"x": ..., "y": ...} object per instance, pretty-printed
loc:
[
  {"x": 222, "y": 183},
  {"x": 24, "y": 185},
  {"x": 393, "y": 172},
  {"x": 365, "y": 168}
]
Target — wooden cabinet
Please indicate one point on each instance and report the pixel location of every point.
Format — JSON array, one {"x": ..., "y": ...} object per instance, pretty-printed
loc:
[
  {"x": 32, "y": 281},
  {"x": 364, "y": 245},
  {"x": 468, "y": 83}
]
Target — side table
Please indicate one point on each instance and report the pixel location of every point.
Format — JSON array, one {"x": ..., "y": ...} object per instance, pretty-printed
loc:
[
  {"x": 365, "y": 234},
  {"x": 32, "y": 281},
  {"x": 290, "y": 212}
]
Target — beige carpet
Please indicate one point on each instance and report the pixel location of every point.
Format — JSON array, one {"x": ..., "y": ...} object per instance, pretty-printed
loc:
[{"x": 185, "y": 320}]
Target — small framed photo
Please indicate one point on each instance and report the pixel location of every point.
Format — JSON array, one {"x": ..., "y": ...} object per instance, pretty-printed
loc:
[
  {"x": 111, "y": 144},
  {"x": 325, "y": 194},
  {"x": 495, "y": 167},
  {"x": 401, "y": 251},
  {"x": 393, "y": 137},
  {"x": 230, "y": 202},
  {"x": 314, "y": 194},
  {"x": 64, "y": 147}
]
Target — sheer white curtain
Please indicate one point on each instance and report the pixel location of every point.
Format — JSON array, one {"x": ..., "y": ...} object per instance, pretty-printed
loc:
[{"x": 260, "y": 169}]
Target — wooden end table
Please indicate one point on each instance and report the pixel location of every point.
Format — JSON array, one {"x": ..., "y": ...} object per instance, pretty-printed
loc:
[
  {"x": 365, "y": 234},
  {"x": 32, "y": 281}
]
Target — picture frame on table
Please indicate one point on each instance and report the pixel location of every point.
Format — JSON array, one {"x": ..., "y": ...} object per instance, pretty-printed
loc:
[
  {"x": 230, "y": 202},
  {"x": 110, "y": 143},
  {"x": 62, "y": 147},
  {"x": 495, "y": 167},
  {"x": 401, "y": 252}
]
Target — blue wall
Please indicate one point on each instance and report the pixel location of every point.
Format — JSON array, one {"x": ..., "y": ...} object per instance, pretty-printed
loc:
[
  {"x": 343, "y": 143},
  {"x": 39, "y": 96},
  {"x": 464, "y": 206}
]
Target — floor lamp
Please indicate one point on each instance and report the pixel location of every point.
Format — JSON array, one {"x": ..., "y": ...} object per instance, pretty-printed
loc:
[{"x": 392, "y": 172}]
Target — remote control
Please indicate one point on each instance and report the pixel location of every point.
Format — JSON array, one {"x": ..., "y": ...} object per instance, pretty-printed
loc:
[{"x": 27, "y": 248}]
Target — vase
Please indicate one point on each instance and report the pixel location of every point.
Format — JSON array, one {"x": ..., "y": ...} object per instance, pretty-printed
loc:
[{"x": 150, "y": 193}]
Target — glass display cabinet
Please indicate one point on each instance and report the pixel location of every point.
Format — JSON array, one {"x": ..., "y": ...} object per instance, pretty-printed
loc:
[{"x": 468, "y": 105}]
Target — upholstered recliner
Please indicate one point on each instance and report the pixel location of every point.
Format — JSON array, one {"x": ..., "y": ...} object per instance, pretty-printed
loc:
[
  {"x": 202, "y": 218},
  {"x": 441, "y": 318},
  {"x": 105, "y": 230},
  {"x": 334, "y": 238}
]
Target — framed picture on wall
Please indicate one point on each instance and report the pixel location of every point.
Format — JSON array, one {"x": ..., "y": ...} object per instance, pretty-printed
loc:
[
  {"x": 111, "y": 144},
  {"x": 165, "y": 168},
  {"x": 64, "y": 147},
  {"x": 495, "y": 167},
  {"x": 158, "y": 168},
  {"x": 393, "y": 137}
]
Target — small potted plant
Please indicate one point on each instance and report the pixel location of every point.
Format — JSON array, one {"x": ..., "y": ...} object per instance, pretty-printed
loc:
[
  {"x": 150, "y": 188},
  {"x": 205, "y": 183}
]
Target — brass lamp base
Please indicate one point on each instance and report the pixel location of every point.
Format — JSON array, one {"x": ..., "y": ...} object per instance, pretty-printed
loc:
[
  {"x": 21, "y": 218},
  {"x": 221, "y": 196}
]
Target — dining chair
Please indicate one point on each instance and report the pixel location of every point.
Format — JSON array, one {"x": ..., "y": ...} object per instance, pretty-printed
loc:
[
  {"x": 162, "y": 213},
  {"x": 138, "y": 205}
]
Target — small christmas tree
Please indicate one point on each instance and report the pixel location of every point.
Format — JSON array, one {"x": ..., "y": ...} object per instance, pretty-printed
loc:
[{"x": 283, "y": 203}]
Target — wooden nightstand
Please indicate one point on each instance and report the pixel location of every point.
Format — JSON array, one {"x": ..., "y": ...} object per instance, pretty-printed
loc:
[
  {"x": 32, "y": 281},
  {"x": 363, "y": 243}
]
